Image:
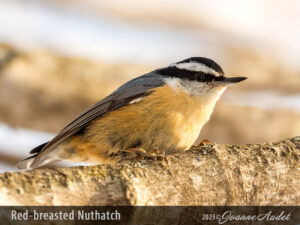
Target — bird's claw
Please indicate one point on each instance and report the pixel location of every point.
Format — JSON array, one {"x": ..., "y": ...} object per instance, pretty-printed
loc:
[
  {"x": 202, "y": 143},
  {"x": 158, "y": 154}
]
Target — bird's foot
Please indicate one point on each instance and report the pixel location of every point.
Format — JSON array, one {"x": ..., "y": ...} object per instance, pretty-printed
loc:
[{"x": 139, "y": 153}]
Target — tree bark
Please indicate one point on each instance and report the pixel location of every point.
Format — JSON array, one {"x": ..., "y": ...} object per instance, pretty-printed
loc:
[{"x": 254, "y": 174}]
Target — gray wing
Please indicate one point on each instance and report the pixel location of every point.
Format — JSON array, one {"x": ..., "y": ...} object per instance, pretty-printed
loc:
[{"x": 140, "y": 86}]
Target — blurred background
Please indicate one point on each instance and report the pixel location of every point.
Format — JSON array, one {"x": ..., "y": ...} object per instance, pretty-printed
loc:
[{"x": 57, "y": 57}]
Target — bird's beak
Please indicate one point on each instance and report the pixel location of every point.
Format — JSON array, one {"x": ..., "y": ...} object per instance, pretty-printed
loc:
[{"x": 229, "y": 80}]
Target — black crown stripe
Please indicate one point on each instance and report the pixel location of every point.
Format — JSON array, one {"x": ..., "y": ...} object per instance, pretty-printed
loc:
[{"x": 205, "y": 61}]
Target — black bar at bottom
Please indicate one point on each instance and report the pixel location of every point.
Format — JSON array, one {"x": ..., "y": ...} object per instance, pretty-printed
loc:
[{"x": 147, "y": 215}]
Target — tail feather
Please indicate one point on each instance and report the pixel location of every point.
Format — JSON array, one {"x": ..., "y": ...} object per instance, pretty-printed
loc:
[
  {"x": 25, "y": 164},
  {"x": 38, "y": 148}
]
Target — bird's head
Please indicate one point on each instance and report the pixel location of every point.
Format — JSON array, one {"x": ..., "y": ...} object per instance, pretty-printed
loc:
[{"x": 198, "y": 76}]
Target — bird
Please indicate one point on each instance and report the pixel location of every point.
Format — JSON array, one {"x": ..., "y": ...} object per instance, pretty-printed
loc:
[{"x": 159, "y": 113}]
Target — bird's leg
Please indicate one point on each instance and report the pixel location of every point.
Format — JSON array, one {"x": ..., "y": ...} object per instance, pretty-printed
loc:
[
  {"x": 202, "y": 143},
  {"x": 132, "y": 153}
]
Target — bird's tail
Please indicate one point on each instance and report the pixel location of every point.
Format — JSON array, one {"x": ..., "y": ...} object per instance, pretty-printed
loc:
[{"x": 25, "y": 164}]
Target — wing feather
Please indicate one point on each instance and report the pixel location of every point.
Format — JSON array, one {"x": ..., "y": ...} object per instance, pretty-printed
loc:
[{"x": 133, "y": 89}]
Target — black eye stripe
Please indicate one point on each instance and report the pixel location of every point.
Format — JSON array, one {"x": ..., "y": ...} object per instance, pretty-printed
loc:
[
  {"x": 205, "y": 77},
  {"x": 173, "y": 71}
]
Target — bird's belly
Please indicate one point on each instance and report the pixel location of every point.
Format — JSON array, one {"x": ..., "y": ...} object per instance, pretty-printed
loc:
[
  {"x": 159, "y": 120},
  {"x": 187, "y": 126}
]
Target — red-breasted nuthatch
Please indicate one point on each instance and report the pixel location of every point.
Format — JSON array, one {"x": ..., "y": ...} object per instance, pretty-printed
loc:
[{"x": 164, "y": 109}]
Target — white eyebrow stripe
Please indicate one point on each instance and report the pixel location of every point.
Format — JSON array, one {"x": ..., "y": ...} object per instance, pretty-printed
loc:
[{"x": 195, "y": 66}]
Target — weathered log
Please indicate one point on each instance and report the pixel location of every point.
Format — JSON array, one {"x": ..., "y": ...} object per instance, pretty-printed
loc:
[{"x": 254, "y": 174}]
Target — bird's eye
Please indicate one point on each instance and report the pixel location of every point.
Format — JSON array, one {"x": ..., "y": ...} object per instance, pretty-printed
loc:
[
  {"x": 210, "y": 78},
  {"x": 199, "y": 76}
]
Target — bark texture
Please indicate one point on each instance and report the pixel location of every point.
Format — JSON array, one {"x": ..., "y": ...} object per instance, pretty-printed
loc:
[{"x": 256, "y": 174}]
